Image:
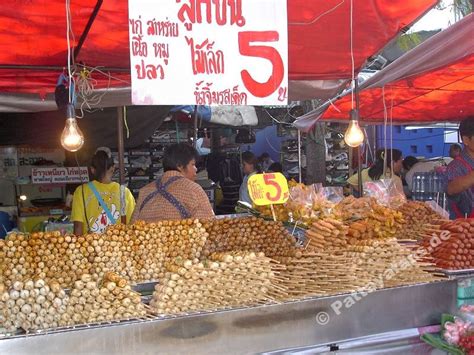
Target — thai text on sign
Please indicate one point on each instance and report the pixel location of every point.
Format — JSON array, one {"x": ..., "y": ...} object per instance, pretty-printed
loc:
[
  {"x": 268, "y": 189},
  {"x": 59, "y": 175},
  {"x": 208, "y": 52}
]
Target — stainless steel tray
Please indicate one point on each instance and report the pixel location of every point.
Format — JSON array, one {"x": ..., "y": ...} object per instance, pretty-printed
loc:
[
  {"x": 456, "y": 272},
  {"x": 145, "y": 288}
]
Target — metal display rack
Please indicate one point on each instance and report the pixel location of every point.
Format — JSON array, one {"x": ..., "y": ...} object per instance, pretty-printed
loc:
[
  {"x": 337, "y": 158},
  {"x": 269, "y": 328},
  {"x": 292, "y": 154}
]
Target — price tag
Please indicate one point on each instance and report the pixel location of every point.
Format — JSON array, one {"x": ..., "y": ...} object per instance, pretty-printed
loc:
[{"x": 268, "y": 189}]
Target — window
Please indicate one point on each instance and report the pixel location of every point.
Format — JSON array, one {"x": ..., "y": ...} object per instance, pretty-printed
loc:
[
  {"x": 414, "y": 149},
  {"x": 430, "y": 130},
  {"x": 415, "y": 131},
  {"x": 398, "y": 129},
  {"x": 429, "y": 149}
]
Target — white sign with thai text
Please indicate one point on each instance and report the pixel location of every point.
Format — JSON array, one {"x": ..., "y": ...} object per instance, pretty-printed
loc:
[
  {"x": 209, "y": 52},
  {"x": 59, "y": 175}
]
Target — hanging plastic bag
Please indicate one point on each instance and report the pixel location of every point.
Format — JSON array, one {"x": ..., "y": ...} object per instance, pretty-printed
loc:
[
  {"x": 385, "y": 192},
  {"x": 438, "y": 209}
]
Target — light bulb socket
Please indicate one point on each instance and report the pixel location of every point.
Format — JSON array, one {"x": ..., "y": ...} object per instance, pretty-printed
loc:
[
  {"x": 70, "y": 111},
  {"x": 354, "y": 116}
]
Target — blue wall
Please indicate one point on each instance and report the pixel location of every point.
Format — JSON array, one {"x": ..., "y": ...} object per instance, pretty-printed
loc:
[
  {"x": 267, "y": 141},
  {"x": 427, "y": 142}
]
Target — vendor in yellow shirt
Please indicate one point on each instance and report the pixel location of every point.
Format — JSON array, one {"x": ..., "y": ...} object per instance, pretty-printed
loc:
[
  {"x": 97, "y": 204},
  {"x": 375, "y": 172}
]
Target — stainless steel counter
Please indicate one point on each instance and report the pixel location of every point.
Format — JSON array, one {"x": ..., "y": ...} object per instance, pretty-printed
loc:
[
  {"x": 459, "y": 274},
  {"x": 287, "y": 326}
]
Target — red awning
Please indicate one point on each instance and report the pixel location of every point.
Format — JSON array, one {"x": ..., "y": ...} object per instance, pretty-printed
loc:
[
  {"x": 33, "y": 38},
  {"x": 433, "y": 82},
  {"x": 444, "y": 94}
]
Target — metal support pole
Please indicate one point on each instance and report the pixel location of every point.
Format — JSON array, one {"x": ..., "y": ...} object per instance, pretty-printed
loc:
[
  {"x": 121, "y": 153},
  {"x": 195, "y": 135},
  {"x": 120, "y": 144},
  {"x": 55, "y": 68},
  {"x": 359, "y": 172},
  {"x": 299, "y": 157},
  {"x": 91, "y": 20},
  {"x": 349, "y": 163}
]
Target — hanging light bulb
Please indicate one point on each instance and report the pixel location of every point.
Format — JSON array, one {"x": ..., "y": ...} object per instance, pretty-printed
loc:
[
  {"x": 72, "y": 138},
  {"x": 354, "y": 135}
]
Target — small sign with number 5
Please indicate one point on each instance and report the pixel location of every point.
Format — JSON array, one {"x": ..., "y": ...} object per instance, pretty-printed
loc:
[{"x": 268, "y": 189}]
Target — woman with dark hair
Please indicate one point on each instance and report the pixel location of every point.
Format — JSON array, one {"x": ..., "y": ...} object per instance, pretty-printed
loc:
[
  {"x": 409, "y": 162},
  {"x": 175, "y": 195},
  {"x": 392, "y": 159},
  {"x": 265, "y": 161},
  {"x": 275, "y": 168},
  {"x": 98, "y": 204},
  {"x": 249, "y": 168}
]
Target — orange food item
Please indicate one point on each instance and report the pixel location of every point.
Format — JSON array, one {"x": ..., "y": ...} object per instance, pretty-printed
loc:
[{"x": 455, "y": 252}]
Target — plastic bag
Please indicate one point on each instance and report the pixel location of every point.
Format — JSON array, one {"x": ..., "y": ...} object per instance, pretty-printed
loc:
[
  {"x": 300, "y": 203},
  {"x": 306, "y": 204},
  {"x": 438, "y": 209},
  {"x": 311, "y": 202},
  {"x": 386, "y": 193},
  {"x": 333, "y": 194}
]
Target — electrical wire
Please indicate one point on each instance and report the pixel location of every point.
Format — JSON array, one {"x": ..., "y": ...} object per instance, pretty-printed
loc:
[
  {"x": 107, "y": 74},
  {"x": 68, "y": 40},
  {"x": 274, "y": 119},
  {"x": 385, "y": 122},
  {"x": 318, "y": 17},
  {"x": 288, "y": 112},
  {"x": 369, "y": 148},
  {"x": 125, "y": 121},
  {"x": 71, "y": 65},
  {"x": 334, "y": 106},
  {"x": 351, "y": 24},
  {"x": 391, "y": 136},
  {"x": 85, "y": 88}
]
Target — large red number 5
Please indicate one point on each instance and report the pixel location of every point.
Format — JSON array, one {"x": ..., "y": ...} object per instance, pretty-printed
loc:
[
  {"x": 270, "y": 86},
  {"x": 270, "y": 180}
]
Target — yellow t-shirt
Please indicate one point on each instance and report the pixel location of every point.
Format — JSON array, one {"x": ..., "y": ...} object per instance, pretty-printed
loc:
[
  {"x": 97, "y": 217},
  {"x": 354, "y": 179}
]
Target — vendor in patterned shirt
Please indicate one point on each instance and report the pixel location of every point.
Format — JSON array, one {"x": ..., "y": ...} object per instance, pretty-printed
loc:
[
  {"x": 460, "y": 174},
  {"x": 174, "y": 196}
]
